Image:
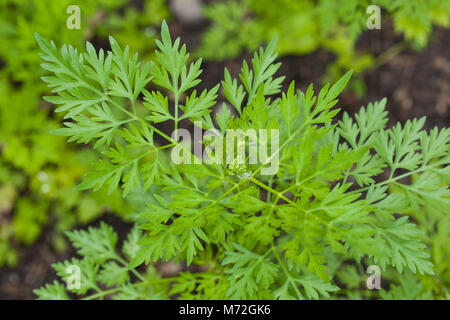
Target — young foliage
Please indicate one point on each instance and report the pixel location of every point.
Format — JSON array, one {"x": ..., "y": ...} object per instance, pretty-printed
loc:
[{"x": 257, "y": 235}]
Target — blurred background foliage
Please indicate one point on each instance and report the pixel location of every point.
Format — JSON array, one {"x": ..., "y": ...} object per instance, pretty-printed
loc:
[
  {"x": 38, "y": 171},
  {"x": 303, "y": 26}
]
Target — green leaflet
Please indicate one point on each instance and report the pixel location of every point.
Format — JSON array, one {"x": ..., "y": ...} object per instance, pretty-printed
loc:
[
  {"x": 55, "y": 291},
  {"x": 250, "y": 273}
]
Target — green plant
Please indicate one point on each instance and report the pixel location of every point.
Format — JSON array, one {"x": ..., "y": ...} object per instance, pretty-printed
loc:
[
  {"x": 339, "y": 201},
  {"x": 305, "y": 26}
]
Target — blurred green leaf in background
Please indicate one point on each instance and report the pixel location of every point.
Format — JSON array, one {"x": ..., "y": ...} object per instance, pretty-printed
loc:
[{"x": 38, "y": 171}]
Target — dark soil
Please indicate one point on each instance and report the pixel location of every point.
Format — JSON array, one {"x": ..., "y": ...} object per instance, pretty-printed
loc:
[
  {"x": 34, "y": 269},
  {"x": 415, "y": 83}
]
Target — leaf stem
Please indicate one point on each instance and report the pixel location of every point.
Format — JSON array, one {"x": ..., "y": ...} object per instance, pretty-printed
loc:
[
  {"x": 103, "y": 293},
  {"x": 394, "y": 179}
]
